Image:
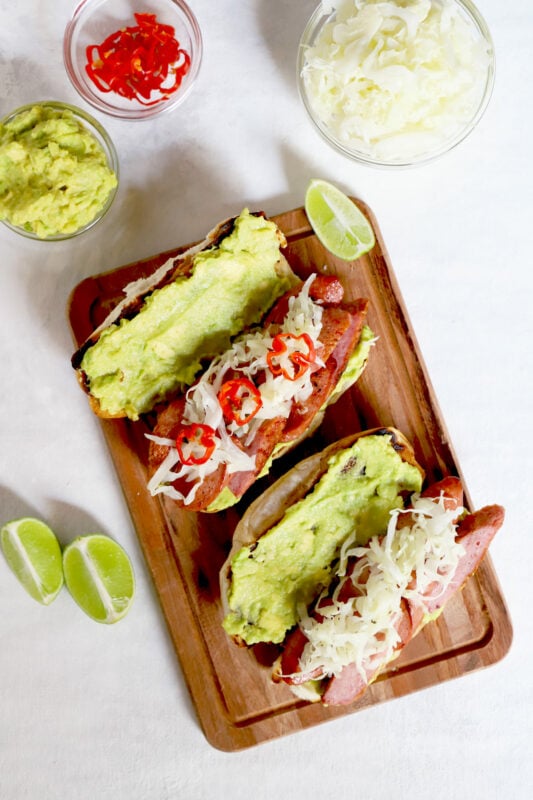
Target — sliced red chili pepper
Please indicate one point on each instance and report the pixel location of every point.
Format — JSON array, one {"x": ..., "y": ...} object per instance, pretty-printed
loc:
[
  {"x": 298, "y": 360},
  {"x": 195, "y": 443},
  {"x": 240, "y": 400},
  {"x": 137, "y": 61}
]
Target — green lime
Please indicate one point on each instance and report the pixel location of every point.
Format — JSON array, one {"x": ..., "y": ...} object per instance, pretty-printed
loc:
[
  {"x": 338, "y": 223},
  {"x": 99, "y": 576},
  {"x": 34, "y": 555}
]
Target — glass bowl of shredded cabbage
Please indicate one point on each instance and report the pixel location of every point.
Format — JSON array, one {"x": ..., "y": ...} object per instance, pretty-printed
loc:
[{"x": 395, "y": 83}]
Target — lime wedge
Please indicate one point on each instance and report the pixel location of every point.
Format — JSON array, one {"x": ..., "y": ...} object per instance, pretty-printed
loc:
[
  {"x": 99, "y": 576},
  {"x": 338, "y": 223},
  {"x": 34, "y": 555}
]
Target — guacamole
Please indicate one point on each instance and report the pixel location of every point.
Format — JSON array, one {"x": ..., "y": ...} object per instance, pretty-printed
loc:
[
  {"x": 139, "y": 361},
  {"x": 54, "y": 175},
  {"x": 293, "y": 561}
]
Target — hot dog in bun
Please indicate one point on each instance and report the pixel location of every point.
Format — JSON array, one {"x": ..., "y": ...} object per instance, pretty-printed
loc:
[
  {"x": 342, "y": 619},
  {"x": 263, "y": 395}
]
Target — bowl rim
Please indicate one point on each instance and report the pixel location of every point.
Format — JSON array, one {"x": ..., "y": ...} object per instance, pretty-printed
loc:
[
  {"x": 111, "y": 156},
  {"x": 140, "y": 113},
  {"x": 319, "y": 17}
]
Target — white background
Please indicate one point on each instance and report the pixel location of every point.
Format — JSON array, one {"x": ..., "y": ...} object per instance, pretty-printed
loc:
[{"x": 95, "y": 712}]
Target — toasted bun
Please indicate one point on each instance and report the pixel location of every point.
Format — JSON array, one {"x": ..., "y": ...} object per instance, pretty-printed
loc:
[{"x": 268, "y": 509}]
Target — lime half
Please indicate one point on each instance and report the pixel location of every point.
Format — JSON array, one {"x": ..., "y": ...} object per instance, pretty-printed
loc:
[
  {"x": 34, "y": 555},
  {"x": 99, "y": 576},
  {"x": 338, "y": 223}
]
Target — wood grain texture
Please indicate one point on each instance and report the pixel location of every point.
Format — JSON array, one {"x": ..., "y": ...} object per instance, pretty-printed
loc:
[{"x": 237, "y": 704}]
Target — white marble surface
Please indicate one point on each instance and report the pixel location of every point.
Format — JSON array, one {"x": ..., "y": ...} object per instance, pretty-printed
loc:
[{"x": 94, "y": 713}]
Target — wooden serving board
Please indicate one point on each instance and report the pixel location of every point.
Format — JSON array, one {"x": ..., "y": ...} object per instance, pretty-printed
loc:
[{"x": 237, "y": 704}]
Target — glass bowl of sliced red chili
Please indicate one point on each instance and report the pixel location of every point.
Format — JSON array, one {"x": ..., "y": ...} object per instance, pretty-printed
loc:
[{"x": 133, "y": 59}]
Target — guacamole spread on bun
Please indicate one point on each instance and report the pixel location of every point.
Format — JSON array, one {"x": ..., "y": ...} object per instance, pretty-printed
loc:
[
  {"x": 212, "y": 295},
  {"x": 54, "y": 174}
]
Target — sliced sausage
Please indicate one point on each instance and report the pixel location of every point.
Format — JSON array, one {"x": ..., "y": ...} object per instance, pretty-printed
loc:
[
  {"x": 326, "y": 288},
  {"x": 289, "y": 666},
  {"x": 450, "y": 488},
  {"x": 261, "y": 447},
  {"x": 475, "y": 532},
  {"x": 351, "y": 683}
]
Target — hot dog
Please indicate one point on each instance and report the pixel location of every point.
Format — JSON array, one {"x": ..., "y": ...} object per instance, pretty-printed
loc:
[
  {"x": 260, "y": 398},
  {"x": 375, "y": 595}
]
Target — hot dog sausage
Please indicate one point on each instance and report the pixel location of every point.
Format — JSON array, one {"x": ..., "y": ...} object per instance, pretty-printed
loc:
[{"x": 475, "y": 532}]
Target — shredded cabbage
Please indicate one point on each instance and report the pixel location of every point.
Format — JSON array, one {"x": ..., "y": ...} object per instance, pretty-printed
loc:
[
  {"x": 395, "y": 79},
  {"x": 409, "y": 562}
]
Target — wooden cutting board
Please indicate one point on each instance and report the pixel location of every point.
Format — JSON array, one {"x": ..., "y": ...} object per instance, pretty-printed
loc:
[{"x": 237, "y": 704}]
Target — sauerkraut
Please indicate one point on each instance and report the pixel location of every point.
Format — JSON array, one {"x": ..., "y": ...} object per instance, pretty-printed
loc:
[
  {"x": 413, "y": 562},
  {"x": 396, "y": 79}
]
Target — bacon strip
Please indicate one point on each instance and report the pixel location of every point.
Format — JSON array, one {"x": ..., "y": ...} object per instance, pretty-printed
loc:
[
  {"x": 340, "y": 333},
  {"x": 475, "y": 532}
]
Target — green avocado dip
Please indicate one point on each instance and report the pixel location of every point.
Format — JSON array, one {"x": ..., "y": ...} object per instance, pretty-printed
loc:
[
  {"x": 139, "y": 361},
  {"x": 356, "y": 364},
  {"x": 291, "y": 563},
  {"x": 54, "y": 175}
]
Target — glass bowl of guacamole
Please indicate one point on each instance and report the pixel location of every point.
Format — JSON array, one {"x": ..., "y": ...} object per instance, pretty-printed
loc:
[
  {"x": 133, "y": 60},
  {"x": 58, "y": 171}
]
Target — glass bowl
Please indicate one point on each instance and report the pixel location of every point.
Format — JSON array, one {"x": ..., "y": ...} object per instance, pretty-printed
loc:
[
  {"x": 57, "y": 164},
  {"x": 95, "y": 20},
  {"x": 415, "y": 143}
]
